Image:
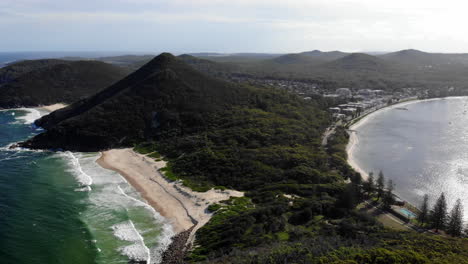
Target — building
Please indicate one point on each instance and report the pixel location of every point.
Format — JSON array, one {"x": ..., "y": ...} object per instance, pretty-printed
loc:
[
  {"x": 344, "y": 92},
  {"x": 339, "y": 116},
  {"x": 349, "y": 111},
  {"x": 335, "y": 110}
]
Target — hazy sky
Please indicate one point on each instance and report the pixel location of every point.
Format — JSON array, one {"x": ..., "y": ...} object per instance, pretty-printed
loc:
[{"x": 233, "y": 25}]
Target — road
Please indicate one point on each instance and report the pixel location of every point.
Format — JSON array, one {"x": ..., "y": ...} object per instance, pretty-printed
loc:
[{"x": 330, "y": 131}]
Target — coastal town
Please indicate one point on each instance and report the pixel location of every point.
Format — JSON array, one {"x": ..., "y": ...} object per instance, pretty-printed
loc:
[{"x": 346, "y": 102}]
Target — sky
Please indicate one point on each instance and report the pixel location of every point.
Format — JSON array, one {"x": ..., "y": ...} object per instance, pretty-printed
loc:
[{"x": 269, "y": 26}]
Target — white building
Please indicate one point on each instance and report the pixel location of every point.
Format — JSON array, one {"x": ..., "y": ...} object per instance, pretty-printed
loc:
[{"x": 344, "y": 92}]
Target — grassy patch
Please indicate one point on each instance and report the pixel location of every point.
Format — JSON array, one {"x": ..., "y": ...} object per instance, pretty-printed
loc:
[
  {"x": 195, "y": 186},
  {"x": 282, "y": 236},
  {"x": 155, "y": 155},
  {"x": 235, "y": 206},
  {"x": 214, "y": 207},
  {"x": 144, "y": 148}
]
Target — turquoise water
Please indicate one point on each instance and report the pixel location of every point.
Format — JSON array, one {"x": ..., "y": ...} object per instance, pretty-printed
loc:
[
  {"x": 424, "y": 150},
  {"x": 407, "y": 213},
  {"x": 64, "y": 208}
]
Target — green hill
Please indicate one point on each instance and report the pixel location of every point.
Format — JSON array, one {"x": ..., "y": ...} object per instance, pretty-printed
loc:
[
  {"x": 43, "y": 82},
  {"x": 298, "y": 207},
  {"x": 358, "y": 62},
  {"x": 13, "y": 71}
]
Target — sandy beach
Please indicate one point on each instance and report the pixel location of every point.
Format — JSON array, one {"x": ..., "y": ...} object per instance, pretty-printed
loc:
[
  {"x": 53, "y": 107},
  {"x": 183, "y": 207}
]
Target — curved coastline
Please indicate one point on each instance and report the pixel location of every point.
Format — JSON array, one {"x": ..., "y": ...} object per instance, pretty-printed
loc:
[
  {"x": 353, "y": 138},
  {"x": 184, "y": 209}
]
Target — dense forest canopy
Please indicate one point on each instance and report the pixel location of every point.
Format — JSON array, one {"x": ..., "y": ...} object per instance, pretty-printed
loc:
[{"x": 44, "y": 82}]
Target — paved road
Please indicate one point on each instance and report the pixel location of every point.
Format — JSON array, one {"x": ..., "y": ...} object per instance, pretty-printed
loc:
[{"x": 330, "y": 131}]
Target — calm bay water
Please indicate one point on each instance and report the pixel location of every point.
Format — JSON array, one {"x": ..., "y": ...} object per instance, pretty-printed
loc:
[
  {"x": 423, "y": 149},
  {"x": 64, "y": 208}
]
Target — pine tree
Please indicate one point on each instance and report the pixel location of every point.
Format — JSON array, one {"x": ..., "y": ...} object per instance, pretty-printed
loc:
[
  {"x": 369, "y": 185},
  {"x": 380, "y": 184},
  {"x": 455, "y": 225},
  {"x": 439, "y": 213},
  {"x": 388, "y": 198},
  {"x": 422, "y": 217}
]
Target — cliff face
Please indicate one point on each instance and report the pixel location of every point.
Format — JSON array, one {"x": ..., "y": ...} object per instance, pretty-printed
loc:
[
  {"x": 165, "y": 97},
  {"x": 42, "y": 82}
]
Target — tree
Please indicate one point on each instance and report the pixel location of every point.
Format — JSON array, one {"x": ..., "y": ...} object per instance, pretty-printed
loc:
[
  {"x": 349, "y": 198},
  {"x": 369, "y": 185},
  {"x": 422, "y": 217},
  {"x": 388, "y": 198},
  {"x": 455, "y": 225},
  {"x": 380, "y": 184},
  {"x": 439, "y": 213}
]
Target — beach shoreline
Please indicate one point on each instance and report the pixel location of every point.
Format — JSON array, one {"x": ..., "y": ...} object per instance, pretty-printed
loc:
[
  {"x": 53, "y": 107},
  {"x": 183, "y": 208}
]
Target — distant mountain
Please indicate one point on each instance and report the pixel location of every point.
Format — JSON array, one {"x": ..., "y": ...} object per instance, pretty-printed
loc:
[
  {"x": 358, "y": 62},
  {"x": 245, "y": 54},
  {"x": 42, "y": 82},
  {"x": 325, "y": 55},
  {"x": 309, "y": 57},
  {"x": 212, "y": 68},
  {"x": 293, "y": 59},
  {"x": 17, "y": 69},
  {"x": 132, "y": 62},
  {"x": 420, "y": 58},
  {"x": 412, "y": 56},
  {"x": 235, "y": 57}
]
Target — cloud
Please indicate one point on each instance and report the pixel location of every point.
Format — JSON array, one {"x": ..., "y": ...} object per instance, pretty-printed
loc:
[{"x": 278, "y": 25}]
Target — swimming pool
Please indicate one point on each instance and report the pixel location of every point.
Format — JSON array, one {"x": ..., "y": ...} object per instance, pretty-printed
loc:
[{"x": 407, "y": 213}]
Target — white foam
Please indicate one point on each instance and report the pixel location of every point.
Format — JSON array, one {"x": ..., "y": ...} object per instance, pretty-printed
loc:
[
  {"x": 111, "y": 193},
  {"x": 84, "y": 189},
  {"x": 18, "y": 149},
  {"x": 84, "y": 179},
  {"x": 167, "y": 231},
  {"x": 31, "y": 116},
  {"x": 126, "y": 231},
  {"x": 138, "y": 251}
]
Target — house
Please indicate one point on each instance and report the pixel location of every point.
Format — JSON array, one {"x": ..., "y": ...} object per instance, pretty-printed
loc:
[
  {"x": 349, "y": 111},
  {"x": 335, "y": 110},
  {"x": 344, "y": 92}
]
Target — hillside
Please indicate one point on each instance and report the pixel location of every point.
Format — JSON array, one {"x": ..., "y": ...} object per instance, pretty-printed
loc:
[
  {"x": 358, "y": 62},
  {"x": 326, "y": 55},
  {"x": 262, "y": 141},
  {"x": 391, "y": 71},
  {"x": 314, "y": 57},
  {"x": 292, "y": 58},
  {"x": 13, "y": 71},
  {"x": 42, "y": 82},
  {"x": 166, "y": 97}
]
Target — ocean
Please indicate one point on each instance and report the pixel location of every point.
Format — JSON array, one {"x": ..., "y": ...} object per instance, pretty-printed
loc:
[
  {"x": 61, "y": 207},
  {"x": 421, "y": 146}
]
